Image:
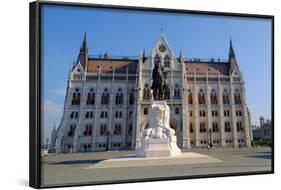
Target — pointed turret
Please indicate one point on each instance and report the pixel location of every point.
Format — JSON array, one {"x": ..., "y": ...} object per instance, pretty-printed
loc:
[
  {"x": 231, "y": 51},
  {"x": 232, "y": 59},
  {"x": 84, "y": 47},
  {"x": 54, "y": 129},
  {"x": 181, "y": 55},
  {"x": 83, "y": 54},
  {"x": 51, "y": 148},
  {"x": 141, "y": 55}
]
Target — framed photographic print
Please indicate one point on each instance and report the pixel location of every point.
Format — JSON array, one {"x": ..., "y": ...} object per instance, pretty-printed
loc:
[{"x": 130, "y": 94}]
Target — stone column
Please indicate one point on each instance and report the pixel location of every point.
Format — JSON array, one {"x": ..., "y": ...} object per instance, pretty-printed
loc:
[
  {"x": 185, "y": 111},
  {"x": 221, "y": 114},
  {"x": 247, "y": 124},
  {"x": 125, "y": 107},
  {"x": 134, "y": 122},
  {"x": 196, "y": 118},
  {"x": 81, "y": 118},
  {"x": 96, "y": 124},
  {"x": 208, "y": 110},
  {"x": 137, "y": 109},
  {"x": 233, "y": 115},
  {"x": 111, "y": 111}
]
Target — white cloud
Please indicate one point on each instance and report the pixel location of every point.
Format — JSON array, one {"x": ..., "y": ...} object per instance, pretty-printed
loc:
[
  {"x": 59, "y": 92},
  {"x": 50, "y": 107}
]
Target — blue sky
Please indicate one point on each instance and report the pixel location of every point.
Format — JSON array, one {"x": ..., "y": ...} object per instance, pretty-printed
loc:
[{"x": 124, "y": 32}]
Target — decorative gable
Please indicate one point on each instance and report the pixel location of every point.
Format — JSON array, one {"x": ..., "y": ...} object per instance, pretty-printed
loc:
[
  {"x": 78, "y": 69},
  {"x": 77, "y": 72},
  {"x": 162, "y": 52}
]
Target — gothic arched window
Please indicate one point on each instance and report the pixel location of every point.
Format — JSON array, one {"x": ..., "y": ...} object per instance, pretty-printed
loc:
[
  {"x": 105, "y": 97},
  {"x": 203, "y": 127},
  {"x": 215, "y": 127},
  {"x": 91, "y": 97},
  {"x": 76, "y": 96},
  {"x": 71, "y": 130},
  {"x": 117, "y": 129},
  {"x": 201, "y": 97},
  {"x": 176, "y": 92},
  {"x": 227, "y": 127},
  {"x": 239, "y": 126},
  {"x": 225, "y": 97},
  {"x": 119, "y": 97},
  {"x": 88, "y": 130},
  {"x": 146, "y": 92},
  {"x": 237, "y": 97},
  {"x": 214, "y": 99},
  {"x": 130, "y": 129},
  {"x": 190, "y": 101},
  {"x": 167, "y": 61},
  {"x": 132, "y": 97},
  {"x": 103, "y": 129}
]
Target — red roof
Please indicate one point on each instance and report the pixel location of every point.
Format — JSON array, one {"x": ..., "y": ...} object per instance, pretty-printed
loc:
[
  {"x": 108, "y": 65},
  {"x": 121, "y": 66},
  {"x": 212, "y": 68}
]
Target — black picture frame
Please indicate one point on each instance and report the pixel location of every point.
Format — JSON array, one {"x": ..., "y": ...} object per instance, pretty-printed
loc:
[{"x": 35, "y": 89}]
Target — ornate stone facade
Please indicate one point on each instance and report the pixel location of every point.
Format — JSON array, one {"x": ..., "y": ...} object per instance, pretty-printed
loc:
[{"x": 107, "y": 100}]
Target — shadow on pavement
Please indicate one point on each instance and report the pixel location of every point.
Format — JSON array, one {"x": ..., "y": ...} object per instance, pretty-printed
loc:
[
  {"x": 73, "y": 162},
  {"x": 262, "y": 155}
]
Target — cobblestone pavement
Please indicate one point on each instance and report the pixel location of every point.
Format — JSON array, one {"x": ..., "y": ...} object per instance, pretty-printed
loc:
[{"x": 66, "y": 169}]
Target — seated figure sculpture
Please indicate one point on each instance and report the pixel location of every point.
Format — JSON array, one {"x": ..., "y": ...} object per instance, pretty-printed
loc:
[
  {"x": 159, "y": 138},
  {"x": 159, "y": 122}
]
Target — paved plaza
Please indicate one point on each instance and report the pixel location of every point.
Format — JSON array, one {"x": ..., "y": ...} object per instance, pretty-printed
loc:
[{"x": 107, "y": 166}]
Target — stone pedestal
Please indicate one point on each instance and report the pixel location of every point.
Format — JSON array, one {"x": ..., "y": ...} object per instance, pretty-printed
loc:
[
  {"x": 158, "y": 140},
  {"x": 158, "y": 148}
]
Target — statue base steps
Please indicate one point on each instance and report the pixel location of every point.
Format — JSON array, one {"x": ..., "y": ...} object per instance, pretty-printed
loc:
[{"x": 153, "y": 147}]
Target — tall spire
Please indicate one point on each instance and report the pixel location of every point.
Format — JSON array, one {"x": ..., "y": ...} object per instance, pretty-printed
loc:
[
  {"x": 231, "y": 51},
  {"x": 84, "y": 44},
  {"x": 162, "y": 30},
  {"x": 181, "y": 54},
  {"x": 54, "y": 128}
]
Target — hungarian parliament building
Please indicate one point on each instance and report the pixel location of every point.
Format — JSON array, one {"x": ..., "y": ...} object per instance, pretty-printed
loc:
[{"x": 107, "y": 99}]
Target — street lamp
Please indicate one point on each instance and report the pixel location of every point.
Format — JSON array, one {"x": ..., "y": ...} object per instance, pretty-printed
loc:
[
  {"x": 47, "y": 142},
  {"x": 210, "y": 138},
  {"x": 107, "y": 140}
]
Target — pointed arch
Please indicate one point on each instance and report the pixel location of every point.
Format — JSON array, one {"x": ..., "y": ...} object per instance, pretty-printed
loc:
[
  {"x": 88, "y": 130},
  {"x": 71, "y": 130},
  {"x": 131, "y": 97},
  {"x": 189, "y": 97},
  {"x": 167, "y": 61},
  {"x": 91, "y": 96},
  {"x": 213, "y": 96},
  {"x": 201, "y": 97},
  {"x": 177, "y": 94},
  {"x": 237, "y": 97},
  {"x": 105, "y": 97},
  {"x": 76, "y": 96},
  {"x": 225, "y": 97},
  {"x": 119, "y": 97},
  {"x": 146, "y": 92}
]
